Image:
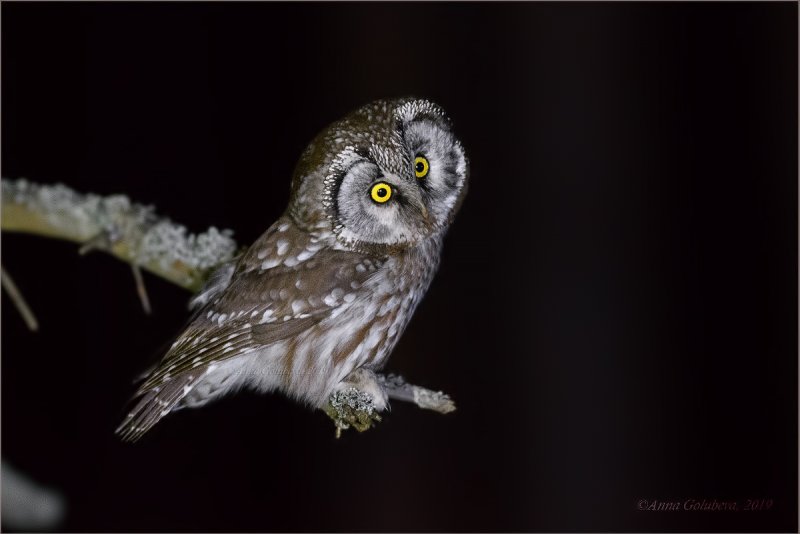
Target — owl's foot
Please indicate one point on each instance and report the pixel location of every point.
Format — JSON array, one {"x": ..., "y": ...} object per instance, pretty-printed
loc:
[{"x": 352, "y": 408}]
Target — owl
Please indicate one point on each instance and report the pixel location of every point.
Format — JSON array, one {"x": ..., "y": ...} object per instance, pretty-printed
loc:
[{"x": 315, "y": 306}]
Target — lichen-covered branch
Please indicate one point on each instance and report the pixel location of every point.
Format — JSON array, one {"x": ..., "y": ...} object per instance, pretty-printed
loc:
[
  {"x": 352, "y": 408},
  {"x": 131, "y": 232},
  {"x": 399, "y": 389},
  {"x": 136, "y": 235}
]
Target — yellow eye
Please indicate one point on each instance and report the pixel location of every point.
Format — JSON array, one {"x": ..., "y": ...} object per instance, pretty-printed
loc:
[
  {"x": 421, "y": 167},
  {"x": 381, "y": 192}
]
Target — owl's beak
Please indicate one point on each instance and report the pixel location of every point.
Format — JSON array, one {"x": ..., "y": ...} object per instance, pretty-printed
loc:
[
  {"x": 415, "y": 199},
  {"x": 424, "y": 212}
]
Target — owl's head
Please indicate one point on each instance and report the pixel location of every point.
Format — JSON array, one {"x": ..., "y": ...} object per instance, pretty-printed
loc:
[{"x": 387, "y": 176}]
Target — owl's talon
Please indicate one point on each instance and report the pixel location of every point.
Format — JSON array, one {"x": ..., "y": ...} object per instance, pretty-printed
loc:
[{"x": 352, "y": 408}]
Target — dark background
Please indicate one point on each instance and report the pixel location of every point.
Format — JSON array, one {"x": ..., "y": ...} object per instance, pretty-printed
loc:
[{"x": 615, "y": 315}]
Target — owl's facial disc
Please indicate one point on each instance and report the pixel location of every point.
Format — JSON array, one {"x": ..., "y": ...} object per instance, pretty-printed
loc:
[
  {"x": 375, "y": 207},
  {"x": 438, "y": 164},
  {"x": 393, "y": 174}
]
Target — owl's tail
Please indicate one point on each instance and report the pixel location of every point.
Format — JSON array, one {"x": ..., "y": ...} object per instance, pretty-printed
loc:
[{"x": 153, "y": 405}]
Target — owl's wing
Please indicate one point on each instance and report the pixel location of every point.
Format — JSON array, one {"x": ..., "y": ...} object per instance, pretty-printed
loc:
[
  {"x": 283, "y": 285},
  {"x": 262, "y": 308}
]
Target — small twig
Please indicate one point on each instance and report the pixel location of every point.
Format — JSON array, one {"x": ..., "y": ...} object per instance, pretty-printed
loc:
[
  {"x": 18, "y": 300},
  {"x": 99, "y": 242},
  {"x": 141, "y": 289},
  {"x": 104, "y": 242},
  {"x": 399, "y": 389}
]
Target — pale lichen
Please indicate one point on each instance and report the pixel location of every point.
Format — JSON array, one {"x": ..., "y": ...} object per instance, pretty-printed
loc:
[
  {"x": 167, "y": 243},
  {"x": 130, "y": 231},
  {"x": 352, "y": 408},
  {"x": 80, "y": 215}
]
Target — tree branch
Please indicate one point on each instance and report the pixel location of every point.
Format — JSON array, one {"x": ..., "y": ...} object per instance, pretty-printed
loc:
[
  {"x": 398, "y": 389},
  {"x": 134, "y": 234},
  {"x": 131, "y": 232}
]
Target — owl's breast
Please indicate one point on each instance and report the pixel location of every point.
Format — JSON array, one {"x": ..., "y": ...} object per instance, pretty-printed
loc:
[
  {"x": 409, "y": 280},
  {"x": 364, "y": 332}
]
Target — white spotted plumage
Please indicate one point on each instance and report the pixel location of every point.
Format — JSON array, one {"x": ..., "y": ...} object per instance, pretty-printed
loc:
[{"x": 319, "y": 301}]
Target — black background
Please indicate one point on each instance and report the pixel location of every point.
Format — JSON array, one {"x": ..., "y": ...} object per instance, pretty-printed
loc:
[{"x": 616, "y": 312}]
